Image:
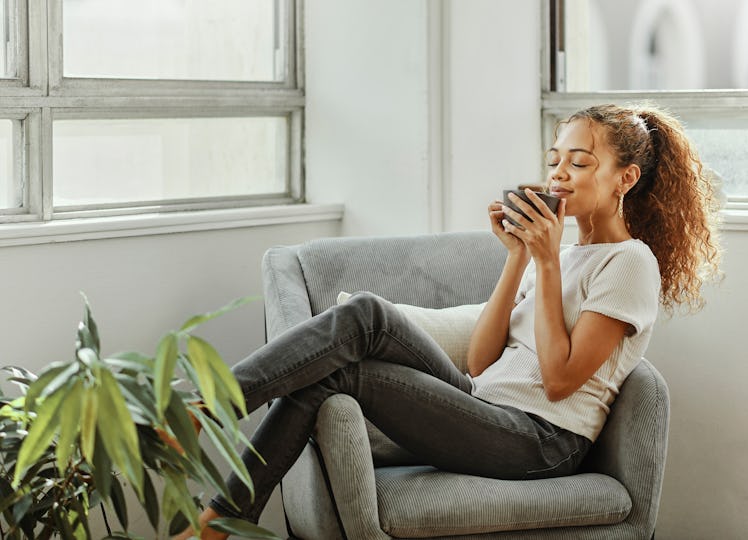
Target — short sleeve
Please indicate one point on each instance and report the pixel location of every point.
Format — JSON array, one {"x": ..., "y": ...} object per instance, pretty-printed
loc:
[{"x": 625, "y": 286}]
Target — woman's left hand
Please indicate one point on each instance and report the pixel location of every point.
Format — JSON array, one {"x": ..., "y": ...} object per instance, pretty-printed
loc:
[{"x": 541, "y": 233}]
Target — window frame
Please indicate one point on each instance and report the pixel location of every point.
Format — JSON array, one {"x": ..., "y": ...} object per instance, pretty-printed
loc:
[
  {"x": 41, "y": 94},
  {"x": 701, "y": 104}
]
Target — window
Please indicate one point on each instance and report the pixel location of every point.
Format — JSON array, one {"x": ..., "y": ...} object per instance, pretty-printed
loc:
[
  {"x": 111, "y": 107},
  {"x": 690, "y": 57}
]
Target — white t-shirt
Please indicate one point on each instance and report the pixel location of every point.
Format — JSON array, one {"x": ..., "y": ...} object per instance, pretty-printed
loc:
[{"x": 619, "y": 280}]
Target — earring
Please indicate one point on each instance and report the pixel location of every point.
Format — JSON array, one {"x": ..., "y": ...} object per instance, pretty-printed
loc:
[{"x": 620, "y": 204}]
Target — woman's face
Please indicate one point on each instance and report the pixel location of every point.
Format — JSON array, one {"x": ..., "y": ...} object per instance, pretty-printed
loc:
[{"x": 582, "y": 169}]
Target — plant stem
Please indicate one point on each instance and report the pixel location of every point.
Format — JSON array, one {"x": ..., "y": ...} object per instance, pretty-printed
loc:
[{"x": 106, "y": 521}]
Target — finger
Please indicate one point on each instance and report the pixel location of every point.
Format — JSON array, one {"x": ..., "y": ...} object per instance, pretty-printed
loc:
[
  {"x": 512, "y": 229},
  {"x": 561, "y": 210},
  {"x": 494, "y": 206},
  {"x": 496, "y": 217},
  {"x": 540, "y": 204},
  {"x": 524, "y": 206},
  {"x": 517, "y": 217}
]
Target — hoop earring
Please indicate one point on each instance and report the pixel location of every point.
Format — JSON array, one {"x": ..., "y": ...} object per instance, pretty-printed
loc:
[{"x": 620, "y": 204}]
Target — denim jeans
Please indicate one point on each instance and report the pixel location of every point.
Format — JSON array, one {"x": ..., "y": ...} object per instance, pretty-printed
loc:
[{"x": 406, "y": 386}]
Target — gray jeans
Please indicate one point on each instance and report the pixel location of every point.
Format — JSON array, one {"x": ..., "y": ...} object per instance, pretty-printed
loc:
[{"x": 406, "y": 386}]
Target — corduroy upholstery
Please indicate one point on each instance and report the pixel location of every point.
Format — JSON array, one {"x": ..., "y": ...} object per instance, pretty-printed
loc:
[{"x": 352, "y": 482}]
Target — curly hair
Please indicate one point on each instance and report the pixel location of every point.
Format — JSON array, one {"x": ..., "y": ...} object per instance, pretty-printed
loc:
[{"x": 672, "y": 208}]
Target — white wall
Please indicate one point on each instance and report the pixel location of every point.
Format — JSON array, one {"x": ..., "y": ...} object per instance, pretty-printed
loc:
[
  {"x": 366, "y": 121},
  {"x": 370, "y": 89},
  {"x": 703, "y": 359}
]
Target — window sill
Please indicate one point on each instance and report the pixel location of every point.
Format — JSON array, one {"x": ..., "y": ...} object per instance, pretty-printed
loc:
[
  {"x": 734, "y": 219},
  {"x": 69, "y": 230}
]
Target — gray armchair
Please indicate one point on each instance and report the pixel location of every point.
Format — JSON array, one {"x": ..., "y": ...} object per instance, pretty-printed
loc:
[{"x": 352, "y": 482}]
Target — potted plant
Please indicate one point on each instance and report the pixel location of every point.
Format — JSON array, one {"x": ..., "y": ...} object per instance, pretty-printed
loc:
[{"x": 82, "y": 432}]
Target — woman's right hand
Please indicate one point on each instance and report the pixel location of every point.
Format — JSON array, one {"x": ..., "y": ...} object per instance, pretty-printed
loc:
[{"x": 497, "y": 216}]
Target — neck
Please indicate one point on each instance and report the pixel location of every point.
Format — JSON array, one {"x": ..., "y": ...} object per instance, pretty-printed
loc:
[{"x": 602, "y": 233}]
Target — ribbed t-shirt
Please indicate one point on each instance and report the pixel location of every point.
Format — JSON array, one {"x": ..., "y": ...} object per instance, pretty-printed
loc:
[{"x": 620, "y": 280}]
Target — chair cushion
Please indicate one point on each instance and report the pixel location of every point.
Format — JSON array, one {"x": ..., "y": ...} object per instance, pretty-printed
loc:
[
  {"x": 423, "y": 502},
  {"x": 450, "y": 327}
]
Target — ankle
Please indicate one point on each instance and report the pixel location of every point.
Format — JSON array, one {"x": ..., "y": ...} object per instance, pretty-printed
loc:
[{"x": 206, "y": 532}]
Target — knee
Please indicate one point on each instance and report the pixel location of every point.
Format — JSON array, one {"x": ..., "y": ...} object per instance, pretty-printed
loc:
[{"x": 367, "y": 305}]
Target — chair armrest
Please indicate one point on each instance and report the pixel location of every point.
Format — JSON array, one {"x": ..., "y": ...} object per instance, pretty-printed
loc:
[
  {"x": 344, "y": 444},
  {"x": 286, "y": 297},
  {"x": 633, "y": 445}
]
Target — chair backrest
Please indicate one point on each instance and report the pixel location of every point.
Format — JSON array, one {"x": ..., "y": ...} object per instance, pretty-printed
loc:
[{"x": 434, "y": 271}]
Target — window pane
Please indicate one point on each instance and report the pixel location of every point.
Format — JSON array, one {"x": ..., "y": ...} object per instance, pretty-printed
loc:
[
  {"x": 128, "y": 161},
  {"x": 8, "y": 39},
  {"x": 645, "y": 45},
  {"x": 725, "y": 150},
  {"x": 234, "y": 40},
  {"x": 11, "y": 192}
]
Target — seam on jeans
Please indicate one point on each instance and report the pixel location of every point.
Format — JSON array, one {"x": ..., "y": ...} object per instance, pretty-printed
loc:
[
  {"x": 553, "y": 467},
  {"x": 460, "y": 410}
]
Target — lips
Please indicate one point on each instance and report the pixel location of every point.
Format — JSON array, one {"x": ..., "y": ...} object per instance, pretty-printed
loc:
[{"x": 560, "y": 192}]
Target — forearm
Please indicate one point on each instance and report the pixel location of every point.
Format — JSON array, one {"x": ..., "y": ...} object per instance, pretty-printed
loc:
[
  {"x": 552, "y": 339},
  {"x": 490, "y": 334}
]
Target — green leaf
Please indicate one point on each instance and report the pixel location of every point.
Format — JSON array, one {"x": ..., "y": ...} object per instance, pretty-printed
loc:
[
  {"x": 90, "y": 329},
  {"x": 227, "y": 451},
  {"x": 119, "y": 502},
  {"x": 180, "y": 497},
  {"x": 70, "y": 417},
  {"x": 63, "y": 523},
  {"x": 22, "y": 506},
  {"x": 102, "y": 469},
  {"x": 46, "y": 377},
  {"x": 224, "y": 376},
  {"x": 88, "y": 356},
  {"x": 40, "y": 435},
  {"x": 241, "y": 528},
  {"x": 180, "y": 423},
  {"x": 131, "y": 361},
  {"x": 138, "y": 398},
  {"x": 118, "y": 432},
  {"x": 198, "y": 357},
  {"x": 89, "y": 414},
  {"x": 80, "y": 523},
  {"x": 166, "y": 361},
  {"x": 197, "y": 320},
  {"x": 150, "y": 500},
  {"x": 214, "y": 477}
]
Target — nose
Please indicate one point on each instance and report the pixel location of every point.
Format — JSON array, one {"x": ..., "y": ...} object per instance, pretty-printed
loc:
[{"x": 559, "y": 171}]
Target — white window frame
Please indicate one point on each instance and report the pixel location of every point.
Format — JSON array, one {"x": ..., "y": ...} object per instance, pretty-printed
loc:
[
  {"x": 42, "y": 94},
  {"x": 702, "y": 104}
]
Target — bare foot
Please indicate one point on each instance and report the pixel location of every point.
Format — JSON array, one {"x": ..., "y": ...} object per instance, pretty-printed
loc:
[{"x": 207, "y": 533}]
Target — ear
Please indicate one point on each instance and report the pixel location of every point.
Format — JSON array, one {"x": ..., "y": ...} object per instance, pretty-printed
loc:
[{"x": 629, "y": 177}]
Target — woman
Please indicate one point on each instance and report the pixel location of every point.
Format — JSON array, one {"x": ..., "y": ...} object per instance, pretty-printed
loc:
[{"x": 557, "y": 338}]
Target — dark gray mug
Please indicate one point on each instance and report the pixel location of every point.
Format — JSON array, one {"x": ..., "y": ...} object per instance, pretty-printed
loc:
[{"x": 549, "y": 200}]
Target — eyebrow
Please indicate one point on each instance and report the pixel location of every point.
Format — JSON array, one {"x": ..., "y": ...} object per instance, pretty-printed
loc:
[{"x": 571, "y": 150}]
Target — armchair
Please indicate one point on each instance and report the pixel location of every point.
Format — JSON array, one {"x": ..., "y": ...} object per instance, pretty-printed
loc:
[{"x": 351, "y": 482}]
